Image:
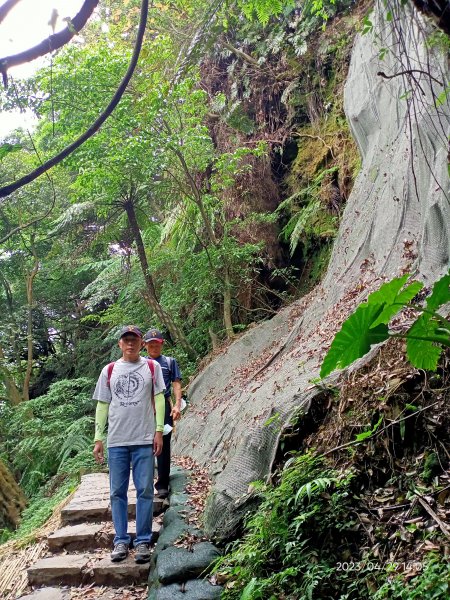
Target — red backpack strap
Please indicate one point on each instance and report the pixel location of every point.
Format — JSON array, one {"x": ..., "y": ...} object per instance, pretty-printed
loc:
[
  {"x": 151, "y": 366},
  {"x": 109, "y": 373}
]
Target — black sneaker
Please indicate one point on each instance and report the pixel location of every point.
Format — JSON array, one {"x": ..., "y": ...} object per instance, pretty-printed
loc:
[
  {"x": 120, "y": 552},
  {"x": 143, "y": 553},
  {"x": 162, "y": 493}
]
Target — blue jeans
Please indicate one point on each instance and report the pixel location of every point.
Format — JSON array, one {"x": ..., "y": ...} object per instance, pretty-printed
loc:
[{"x": 141, "y": 459}]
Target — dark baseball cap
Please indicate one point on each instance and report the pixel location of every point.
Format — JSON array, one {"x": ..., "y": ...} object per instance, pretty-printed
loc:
[
  {"x": 130, "y": 329},
  {"x": 153, "y": 335}
]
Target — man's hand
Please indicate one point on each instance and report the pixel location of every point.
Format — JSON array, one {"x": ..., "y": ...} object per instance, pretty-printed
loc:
[
  {"x": 158, "y": 443},
  {"x": 175, "y": 413},
  {"x": 98, "y": 452}
]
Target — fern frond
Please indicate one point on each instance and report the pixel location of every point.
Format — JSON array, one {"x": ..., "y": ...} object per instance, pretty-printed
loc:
[
  {"x": 314, "y": 487},
  {"x": 303, "y": 219},
  {"x": 77, "y": 439},
  {"x": 74, "y": 215}
]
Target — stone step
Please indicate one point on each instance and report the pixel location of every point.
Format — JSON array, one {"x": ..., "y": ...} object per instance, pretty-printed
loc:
[
  {"x": 82, "y": 537},
  {"x": 81, "y": 569},
  {"x": 82, "y": 511},
  {"x": 66, "y": 569},
  {"x": 89, "y": 536},
  {"x": 90, "y": 502},
  {"x": 126, "y": 572},
  {"x": 89, "y": 510},
  {"x": 47, "y": 594}
]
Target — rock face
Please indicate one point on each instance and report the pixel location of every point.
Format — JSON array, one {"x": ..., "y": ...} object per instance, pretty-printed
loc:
[
  {"x": 12, "y": 499},
  {"x": 397, "y": 220}
]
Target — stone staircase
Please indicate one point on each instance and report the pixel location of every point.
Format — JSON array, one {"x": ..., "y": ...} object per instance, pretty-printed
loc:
[{"x": 79, "y": 551}]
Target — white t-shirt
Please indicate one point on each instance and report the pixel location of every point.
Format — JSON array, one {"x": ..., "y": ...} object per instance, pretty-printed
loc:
[{"x": 131, "y": 421}]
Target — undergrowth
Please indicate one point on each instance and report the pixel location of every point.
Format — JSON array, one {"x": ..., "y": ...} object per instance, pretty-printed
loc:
[
  {"x": 39, "y": 511},
  {"x": 372, "y": 522},
  {"x": 47, "y": 444},
  {"x": 290, "y": 549},
  {"x": 304, "y": 543}
]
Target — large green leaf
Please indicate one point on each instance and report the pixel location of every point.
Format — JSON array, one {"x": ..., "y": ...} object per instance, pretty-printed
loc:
[
  {"x": 388, "y": 291},
  {"x": 398, "y": 302},
  {"x": 355, "y": 338},
  {"x": 441, "y": 293},
  {"x": 423, "y": 352}
]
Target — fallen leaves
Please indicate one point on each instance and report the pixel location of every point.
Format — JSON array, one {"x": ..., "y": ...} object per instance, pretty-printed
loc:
[{"x": 197, "y": 487}]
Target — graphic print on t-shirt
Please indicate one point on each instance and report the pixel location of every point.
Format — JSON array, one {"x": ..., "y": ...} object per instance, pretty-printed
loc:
[{"x": 127, "y": 387}]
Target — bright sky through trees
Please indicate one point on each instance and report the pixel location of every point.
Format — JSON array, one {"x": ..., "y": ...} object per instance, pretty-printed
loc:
[{"x": 26, "y": 25}]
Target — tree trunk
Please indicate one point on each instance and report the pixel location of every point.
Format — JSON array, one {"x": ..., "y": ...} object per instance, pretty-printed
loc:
[
  {"x": 197, "y": 198},
  {"x": 29, "y": 283},
  {"x": 12, "y": 391},
  {"x": 227, "y": 304},
  {"x": 175, "y": 331}
]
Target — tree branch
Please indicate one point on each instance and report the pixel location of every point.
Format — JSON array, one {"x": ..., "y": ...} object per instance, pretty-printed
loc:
[
  {"x": 410, "y": 72},
  {"x": 245, "y": 57},
  {"x": 6, "y": 7},
  {"x": 33, "y": 222},
  {"x": 8, "y": 189},
  {"x": 443, "y": 527},
  {"x": 53, "y": 42}
]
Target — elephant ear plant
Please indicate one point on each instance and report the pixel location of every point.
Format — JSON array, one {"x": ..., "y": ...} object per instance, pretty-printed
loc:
[{"x": 369, "y": 324}]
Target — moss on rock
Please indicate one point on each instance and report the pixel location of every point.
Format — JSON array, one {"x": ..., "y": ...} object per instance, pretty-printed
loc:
[{"x": 12, "y": 499}]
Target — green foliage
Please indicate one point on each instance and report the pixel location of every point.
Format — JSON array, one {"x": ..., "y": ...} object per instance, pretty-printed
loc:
[
  {"x": 368, "y": 325},
  {"x": 367, "y": 25},
  {"x": 366, "y": 434},
  {"x": 264, "y": 9},
  {"x": 431, "y": 467},
  {"x": 433, "y": 583},
  {"x": 50, "y": 435},
  {"x": 288, "y": 548},
  {"x": 41, "y": 507},
  {"x": 309, "y": 219},
  {"x": 7, "y": 148},
  {"x": 297, "y": 545},
  {"x": 89, "y": 279}
]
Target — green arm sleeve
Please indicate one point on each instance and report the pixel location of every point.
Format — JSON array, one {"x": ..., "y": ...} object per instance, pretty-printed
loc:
[
  {"x": 101, "y": 417},
  {"x": 160, "y": 406}
]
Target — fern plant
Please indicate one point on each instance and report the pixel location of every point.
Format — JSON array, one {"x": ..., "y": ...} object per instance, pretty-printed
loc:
[
  {"x": 264, "y": 9},
  {"x": 279, "y": 554},
  {"x": 51, "y": 434},
  {"x": 309, "y": 219}
]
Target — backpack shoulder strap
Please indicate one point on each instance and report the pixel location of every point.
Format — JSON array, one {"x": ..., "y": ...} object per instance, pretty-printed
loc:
[
  {"x": 151, "y": 366},
  {"x": 169, "y": 360},
  {"x": 109, "y": 373}
]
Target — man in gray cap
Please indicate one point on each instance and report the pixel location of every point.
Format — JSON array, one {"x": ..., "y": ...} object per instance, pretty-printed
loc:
[
  {"x": 154, "y": 341},
  {"x": 130, "y": 397}
]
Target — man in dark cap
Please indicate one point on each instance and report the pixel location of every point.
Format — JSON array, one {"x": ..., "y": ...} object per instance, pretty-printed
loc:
[
  {"x": 130, "y": 398},
  {"x": 154, "y": 341}
]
